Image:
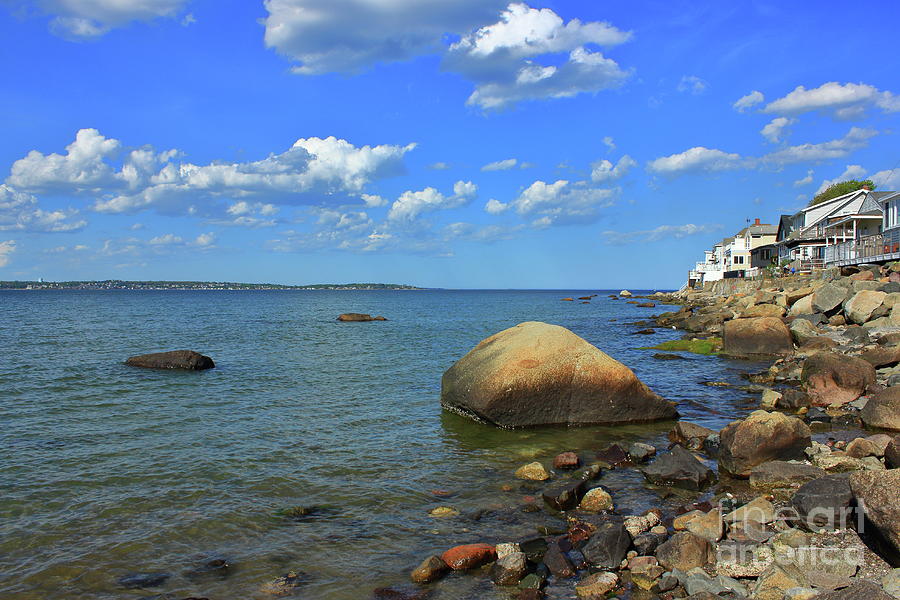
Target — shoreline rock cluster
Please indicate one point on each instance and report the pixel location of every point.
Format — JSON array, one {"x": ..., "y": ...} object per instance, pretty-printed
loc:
[{"x": 786, "y": 517}]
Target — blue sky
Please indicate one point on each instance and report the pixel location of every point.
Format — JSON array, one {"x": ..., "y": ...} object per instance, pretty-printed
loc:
[{"x": 463, "y": 143}]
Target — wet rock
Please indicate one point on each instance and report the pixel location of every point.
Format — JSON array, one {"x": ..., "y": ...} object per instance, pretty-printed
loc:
[
  {"x": 540, "y": 374},
  {"x": 596, "y": 500},
  {"x": 883, "y": 410},
  {"x": 431, "y": 569},
  {"x": 175, "y": 359},
  {"x": 533, "y": 472},
  {"x": 443, "y": 512},
  {"x": 608, "y": 545},
  {"x": 510, "y": 569},
  {"x": 664, "y": 356},
  {"x": 285, "y": 585},
  {"x": 534, "y": 549},
  {"x": 596, "y": 586},
  {"x": 399, "y": 593},
  {"x": 876, "y": 494},
  {"x": 644, "y": 332},
  {"x": 468, "y": 556},
  {"x": 685, "y": 551},
  {"x": 690, "y": 435},
  {"x": 761, "y": 437},
  {"x": 679, "y": 468},
  {"x": 830, "y": 378},
  {"x": 755, "y": 337},
  {"x": 640, "y": 452},
  {"x": 566, "y": 461},
  {"x": 638, "y": 524},
  {"x": 558, "y": 563},
  {"x": 358, "y": 318},
  {"x": 565, "y": 496},
  {"x": 137, "y": 581},
  {"x": 783, "y": 474},
  {"x": 824, "y": 503},
  {"x": 647, "y": 543},
  {"x": 614, "y": 455}
]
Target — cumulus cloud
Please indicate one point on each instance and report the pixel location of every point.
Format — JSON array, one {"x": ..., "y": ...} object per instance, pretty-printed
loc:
[
  {"x": 847, "y": 100},
  {"x": 855, "y": 139},
  {"x": 6, "y": 248},
  {"x": 485, "y": 234},
  {"x": 411, "y": 204},
  {"x": 313, "y": 171},
  {"x": 19, "y": 212},
  {"x": 776, "y": 128},
  {"x": 495, "y": 207},
  {"x": 161, "y": 245},
  {"x": 663, "y": 232},
  {"x": 887, "y": 180},
  {"x": 92, "y": 18},
  {"x": 346, "y": 36},
  {"x": 805, "y": 180},
  {"x": 503, "y": 58},
  {"x": 745, "y": 103},
  {"x": 850, "y": 172},
  {"x": 610, "y": 143},
  {"x": 500, "y": 165},
  {"x": 695, "y": 159},
  {"x": 562, "y": 202},
  {"x": 603, "y": 170},
  {"x": 692, "y": 84}
]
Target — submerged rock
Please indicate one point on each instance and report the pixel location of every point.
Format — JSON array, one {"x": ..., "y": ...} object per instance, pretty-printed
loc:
[
  {"x": 431, "y": 569},
  {"x": 285, "y": 585},
  {"x": 137, "y": 581},
  {"x": 359, "y": 317},
  {"x": 540, "y": 374},
  {"x": 469, "y": 556},
  {"x": 679, "y": 468},
  {"x": 175, "y": 359}
]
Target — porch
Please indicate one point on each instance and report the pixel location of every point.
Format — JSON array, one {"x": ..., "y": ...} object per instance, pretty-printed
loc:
[{"x": 868, "y": 249}]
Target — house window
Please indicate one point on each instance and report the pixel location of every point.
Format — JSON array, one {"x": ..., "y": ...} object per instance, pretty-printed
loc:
[
  {"x": 738, "y": 260},
  {"x": 890, "y": 214}
]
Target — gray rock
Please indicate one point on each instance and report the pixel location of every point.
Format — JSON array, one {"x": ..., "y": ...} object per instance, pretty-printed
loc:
[
  {"x": 679, "y": 468},
  {"x": 825, "y": 503},
  {"x": 176, "y": 359},
  {"x": 783, "y": 474},
  {"x": 509, "y": 569},
  {"x": 861, "y": 590},
  {"x": 828, "y": 297},
  {"x": 608, "y": 546}
]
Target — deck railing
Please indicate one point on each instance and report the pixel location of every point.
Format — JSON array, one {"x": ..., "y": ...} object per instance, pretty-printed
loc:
[{"x": 865, "y": 247}]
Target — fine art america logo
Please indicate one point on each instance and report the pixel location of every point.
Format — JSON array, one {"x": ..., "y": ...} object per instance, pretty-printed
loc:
[{"x": 749, "y": 534}]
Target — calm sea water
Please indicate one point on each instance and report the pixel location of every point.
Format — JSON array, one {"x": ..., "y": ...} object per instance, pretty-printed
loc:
[{"x": 107, "y": 470}]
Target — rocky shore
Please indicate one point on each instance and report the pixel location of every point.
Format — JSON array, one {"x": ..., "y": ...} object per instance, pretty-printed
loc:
[{"x": 803, "y": 503}]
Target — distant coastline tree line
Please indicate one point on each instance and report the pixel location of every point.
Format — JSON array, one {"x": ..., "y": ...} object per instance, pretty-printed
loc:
[{"x": 116, "y": 284}]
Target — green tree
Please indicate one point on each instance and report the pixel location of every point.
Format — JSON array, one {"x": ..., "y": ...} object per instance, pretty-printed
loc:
[{"x": 839, "y": 189}]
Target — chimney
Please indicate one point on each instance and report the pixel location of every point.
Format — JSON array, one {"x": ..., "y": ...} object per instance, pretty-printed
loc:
[
  {"x": 866, "y": 188},
  {"x": 756, "y": 222}
]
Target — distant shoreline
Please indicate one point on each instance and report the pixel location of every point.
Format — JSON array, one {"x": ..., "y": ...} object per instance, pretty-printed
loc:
[{"x": 120, "y": 285}]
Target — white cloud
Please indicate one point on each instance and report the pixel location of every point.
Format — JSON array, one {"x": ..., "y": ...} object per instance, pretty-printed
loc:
[
  {"x": 500, "y": 165},
  {"x": 805, "y": 180},
  {"x": 411, "y": 204},
  {"x": 851, "y": 172},
  {"x": 843, "y": 100},
  {"x": 695, "y": 159},
  {"x": 610, "y": 143},
  {"x": 888, "y": 180},
  {"x": 562, "y": 202},
  {"x": 495, "y": 207},
  {"x": 92, "y": 18},
  {"x": 19, "y": 212},
  {"x": 500, "y": 58},
  {"x": 312, "y": 171},
  {"x": 346, "y": 36},
  {"x": 6, "y": 248},
  {"x": 747, "y": 102},
  {"x": 692, "y": 84},
  {"x": 855, "y": 139},
  {"x": 486, "y": 234},
  {"x": 603, "y": 170},
  {"x": 663, "y": 232},
  {"x": 776, "y": 128}
]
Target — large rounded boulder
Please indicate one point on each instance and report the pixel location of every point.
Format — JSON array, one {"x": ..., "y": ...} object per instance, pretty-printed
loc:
[
  {"x": 831, "y": 378},
  {"x": 176, "y": 359},
  {"x": 883, "y": 409},
  {"x": 761, "y": 437},
  {"x": 540, "y": 374},
  {"x": 755, "y": 337}
]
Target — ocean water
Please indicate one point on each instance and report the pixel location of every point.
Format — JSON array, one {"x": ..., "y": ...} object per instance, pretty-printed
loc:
[{"x": 107, "y": 470}]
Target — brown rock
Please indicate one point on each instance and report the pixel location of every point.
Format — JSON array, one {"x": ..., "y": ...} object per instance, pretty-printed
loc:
[
  {"x": 685, "y": 551},
  {"x": 431, "y": 569},
  {"x": 860, "y": 590},
  {"x": 883, "y": 409},
  {"x": 830, "y": 378},
  {"x": 568, "y": 299},
  {"x": 540, "y": 374},
  {"x": 863, "y": 276},
  {"x": 469, "y": 556},
  {"x": 690, "y": 435},
  {"x": 882, "y": 356},
  {"x": 876, "y": 493},
  {"x": 763, "y": 310},
  {"x": 761, "y": 437},
  {"x": 754, "y": 337},
  {"x": 566, "y": 461},
  {"x": 358, "y": 318},
  {"x": 862, "y": 447},
  {"x": 175, "y": 359},
  {"x": 892, "y": 453}
]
